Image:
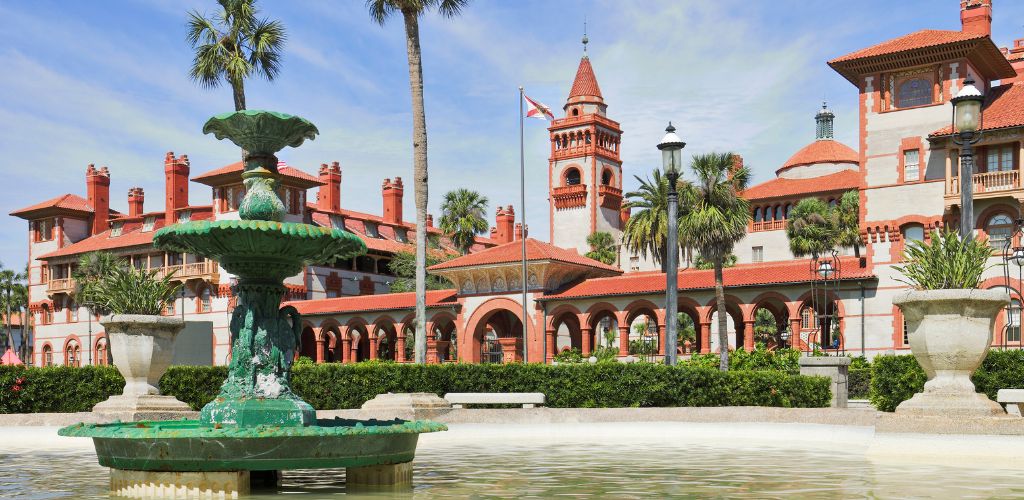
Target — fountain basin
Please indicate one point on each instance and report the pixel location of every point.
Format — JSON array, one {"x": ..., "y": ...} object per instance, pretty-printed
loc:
[{"x": 188, "y": 445}]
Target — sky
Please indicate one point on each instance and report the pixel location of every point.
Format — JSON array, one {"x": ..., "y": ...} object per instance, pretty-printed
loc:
[{"x": 106, "y": 82}]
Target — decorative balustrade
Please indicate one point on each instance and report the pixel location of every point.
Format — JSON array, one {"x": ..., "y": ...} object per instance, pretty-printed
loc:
[
  {"x": 988, "y": 182},
  {"x": 61, "y": 285},
  {"x": 609, "y": 197},
  {"x": 768, "y": 225},
  {"x": 206, "y": 270},
  {"x": 569, "y": 196}
]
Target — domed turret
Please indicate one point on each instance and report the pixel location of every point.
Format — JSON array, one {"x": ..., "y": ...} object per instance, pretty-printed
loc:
[{"x": 824, "y": 156}]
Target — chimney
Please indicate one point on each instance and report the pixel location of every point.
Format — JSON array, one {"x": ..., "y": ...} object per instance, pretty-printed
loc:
[
  {"x": 430, "y": 220},
  {"x": 519, "y": 231},
  {"x": 97, "y": 184},
  {"x": 175, "y": 183},
  {"x": 976, "y": 16},
  {"x": 392, "y": 194},
  {"x": 328, "y": 199},
  {"x": 136, "y": 198},
  {"x": 506, "y": 218}
]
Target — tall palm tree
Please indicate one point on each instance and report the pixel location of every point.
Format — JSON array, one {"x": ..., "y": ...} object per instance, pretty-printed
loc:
[
  {"x": 846, "y": 218},
  {"x": 232, "y": 45},
  {"x": 11, "y": 283},
  {"x": 602, "y": 247},
  {"x": 810, "y": 228},
  {"x": 463, "y": 216},
  {"x": 647, "y": 229},
  {"x": 715, "y": 218},
  {"x": 411, "y": 10}
]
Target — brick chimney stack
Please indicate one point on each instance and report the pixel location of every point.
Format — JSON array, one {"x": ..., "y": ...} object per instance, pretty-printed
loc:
[
  {"x": 136, "y": 199},
  {"x": 976, "y": 16},
  {"x": 519, "y": 231},
  {"x": 505, "y": 218},
  {"x": 392, "y": 194},
  {"x": 430, "y": 220},
  {"x": 97, "y": 184},
  {"x": 175, "y": 183},
  {"x": 328, "y": 199}
]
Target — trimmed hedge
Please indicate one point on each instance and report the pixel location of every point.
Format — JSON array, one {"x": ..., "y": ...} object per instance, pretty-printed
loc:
[
  {"x": 858, "y": 383},
  {"x": 894, "y": 379},
  {"x": 340, "y": 386}
]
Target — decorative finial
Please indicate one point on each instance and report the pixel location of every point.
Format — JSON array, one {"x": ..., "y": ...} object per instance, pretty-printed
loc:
[
  {"x": 670, "y": 128},
  {"x": 585, "y": 39}
]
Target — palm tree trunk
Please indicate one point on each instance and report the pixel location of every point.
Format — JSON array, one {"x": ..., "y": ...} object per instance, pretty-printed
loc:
[
  {"x": 723, "y": 333},
  {"x": 419, "y": 159},
  {"x": 10, "y": 337},
  {"x": 238, "y": 91}
]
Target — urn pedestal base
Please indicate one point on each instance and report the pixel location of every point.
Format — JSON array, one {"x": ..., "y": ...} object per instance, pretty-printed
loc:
[
  {"x": 951, "y": 404},
  {"x": 133, "y": 408}
]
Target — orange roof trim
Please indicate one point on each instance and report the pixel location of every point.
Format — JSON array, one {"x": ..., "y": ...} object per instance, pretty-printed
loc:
[
  {"x": 821, "y": 151},
  {"x": 512, "y": 252},
  {"x": 781, "y": 187}
]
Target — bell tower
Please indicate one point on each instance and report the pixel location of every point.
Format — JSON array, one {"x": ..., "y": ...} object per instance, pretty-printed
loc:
[{"x": 584, "y": 169}]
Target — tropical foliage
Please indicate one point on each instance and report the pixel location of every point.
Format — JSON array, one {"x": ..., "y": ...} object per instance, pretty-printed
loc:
[
  {"x": 766, "y": 327},
  {"x": 602, "y": 247},
  {"x": 403, "y": 266},
  {"x": 646, "y": 231},
  {"x": 411, "y": 10},
  {"x": 944, "y": 261},
  {"x": 92, "y": 267},
  {"x": 14, "y": 295},
  {"x": 700, "y": 262},
  {"x": 124, "y": 290},
  {"x": 233, "y": 44},
  {"x": 814, "y": 228},
  {"x": 463, "y": 216},
  {"x": 714, "y": 219}
]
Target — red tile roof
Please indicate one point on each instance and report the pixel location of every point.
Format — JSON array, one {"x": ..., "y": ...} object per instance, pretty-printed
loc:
[
  {"x": 1004, "y": 108},
  {"x": 780, "y": 187},
  {"x": 131, "y": 236},
  {"x": 234, "y": 170},
  {"x": 68, "y": 202},
  {"x": 823, "y": 151},
  {"x": 585, "y": 84},
  {"x": 793, "y": 271},
  {"x": 915, "y": 40},
  {"x": 512, "y": 252},
  {"x": 382, "y": 302},
  {"x": 355, "y": 222}
]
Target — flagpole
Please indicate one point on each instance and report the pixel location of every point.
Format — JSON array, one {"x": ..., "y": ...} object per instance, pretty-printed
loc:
[{"x": 522, "y": 220}]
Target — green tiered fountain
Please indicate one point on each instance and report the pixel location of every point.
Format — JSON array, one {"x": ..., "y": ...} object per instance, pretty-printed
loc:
[{"x": 256, "y": 423}]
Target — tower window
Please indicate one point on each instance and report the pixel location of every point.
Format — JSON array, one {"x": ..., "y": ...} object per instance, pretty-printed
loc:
[
  {"x": 914, "y": 92},
  {"x": 757, "y": 254},
  {"x": 606, "y": 178},
  {"x": 575, "y": 111},
  {"x": 912, "y": 165},
  {"x": 1000, "y": 230},
  {"x": 572, "y": 177}
]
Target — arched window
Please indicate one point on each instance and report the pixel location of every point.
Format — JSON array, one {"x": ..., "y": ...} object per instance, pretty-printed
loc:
[
  {"x": 768, "y": 211},
  {"x": 779, "y": 212},
  {"x": 205, "y": 305},
  {"x": 758, "y": 217},
  {"x": 1013, "y": 322},
  {"x": 914, "y": 92},
  {"x": 102, "y": 352},
  {"x": 808, "y": 320},
  {"x": 47, "y": 314},
  {"x": 575, "y": 111},
  {"x": 72, "y": 353},
  {"x": 47, "y": 355},
  {"x": 586, "y": 137},
  {"x": 913, "y": 232},
  {"x": 572, "y": 177},
  {"x": 999, "y": 229},
  {"x": 558, "y": 142},
  {"x": 789, "y": 209},
  {"x": 606, "y": 178}
]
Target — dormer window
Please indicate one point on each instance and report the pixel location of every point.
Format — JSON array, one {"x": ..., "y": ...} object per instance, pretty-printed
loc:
[
  {"x": 115, "y": 231},
  {"x": 148, "y": 224},
  {"x": 338, "y": 222},
  {"x": 572, "y": 177},
  {"x": 371, "y": 230},
  {"x": 402, "y": 235},
  {"x": 184, "y": 216},
  {"x": 45, "y": 227},
  {"x": 914, "y": 92}
]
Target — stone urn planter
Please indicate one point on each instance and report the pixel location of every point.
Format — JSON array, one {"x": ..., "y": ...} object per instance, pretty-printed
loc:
[
  {"x": 142, "y": 347},
  {"x": 950, "y": 333}
]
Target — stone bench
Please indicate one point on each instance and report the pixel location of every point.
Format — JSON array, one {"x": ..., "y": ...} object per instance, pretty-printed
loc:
[
  {"x": 1014, "y": 399},
  {"x": 527, "y": 399}
]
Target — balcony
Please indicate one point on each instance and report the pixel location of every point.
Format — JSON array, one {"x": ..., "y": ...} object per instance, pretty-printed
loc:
[
  {"x": 569, "y": 196},
  {"x": 986, "y": 185},
  {"x": 206, "y": 270},
  {"x": 60, "y": 285},
  {"x": 768, "y": 225},
  {"x": 609, "y": 197}
]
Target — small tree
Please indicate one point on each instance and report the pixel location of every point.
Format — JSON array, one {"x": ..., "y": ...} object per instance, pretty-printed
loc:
[
  {"x": 403, "y": 266},
  {"x": 765, "y": 326},
  {"x": 701, "y": 263},
  {"x": 463, "y": 216},
  {"x": 602, "y": 247}
]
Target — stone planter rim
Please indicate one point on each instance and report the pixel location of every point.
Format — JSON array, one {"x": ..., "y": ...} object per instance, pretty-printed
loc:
[
  {"x": 953, "y": 294},
  {"x": 824, "y": 361},
  {"x": 143, "y": 319}
]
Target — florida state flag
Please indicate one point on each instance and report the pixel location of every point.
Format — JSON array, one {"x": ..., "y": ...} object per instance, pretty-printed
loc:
[{"x": 535, "y": 109}]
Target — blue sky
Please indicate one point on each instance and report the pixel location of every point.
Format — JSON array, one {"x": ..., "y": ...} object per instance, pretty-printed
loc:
[{"x": 106, "y": 82}]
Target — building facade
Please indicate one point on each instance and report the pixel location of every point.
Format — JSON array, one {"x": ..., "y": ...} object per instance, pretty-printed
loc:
[{"x": 904, "y": 171}]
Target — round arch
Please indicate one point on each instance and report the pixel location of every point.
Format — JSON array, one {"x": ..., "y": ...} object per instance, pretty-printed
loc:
[{"x": 478, "y": 321}]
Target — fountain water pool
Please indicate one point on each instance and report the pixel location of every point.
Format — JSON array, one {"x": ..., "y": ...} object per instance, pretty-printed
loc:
[{"x": 622, "y": 459}]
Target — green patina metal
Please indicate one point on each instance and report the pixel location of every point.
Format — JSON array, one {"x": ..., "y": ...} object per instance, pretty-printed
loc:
[
  {"x": 257, "y": 422},
  {"x": 189, "y": 445}
]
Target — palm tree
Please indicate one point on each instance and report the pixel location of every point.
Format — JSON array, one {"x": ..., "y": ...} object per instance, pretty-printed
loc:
[
  {"x": 715, "y": 218},
  {"x": 411, "y": 10},
  {"x": 463, "y": 216},
  {"x": 12, "y": 288},
  {"x": 646, "y": 230},
  {"x": 232, "y": 45},
  {"x": 810, "y": 228},
  {"x": 602, "y": 247},
  {"x": 846, "y": 218}
]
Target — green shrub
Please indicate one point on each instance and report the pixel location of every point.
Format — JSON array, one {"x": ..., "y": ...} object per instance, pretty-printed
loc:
[
  {"x": 338, "y": 386},
  {"x": 56, "y": 389},
  {"x": 569, "y": 356},
  {"x": 786, "y": 360},
  {"x": 1000, "y": 370},
  {"x": 894, "y": 379},
  {"x": 858, "y": 382}
]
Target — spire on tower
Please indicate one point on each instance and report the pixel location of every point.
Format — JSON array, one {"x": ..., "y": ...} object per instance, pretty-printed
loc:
[
  {"x": 824, "y": 120},
  {"x": 585, "y": 39}
]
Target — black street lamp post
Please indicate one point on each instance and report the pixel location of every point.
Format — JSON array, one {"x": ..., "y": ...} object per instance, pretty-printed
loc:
[
  {"x": 967, "y": 132},
  {"x": 671, "y": 147}
]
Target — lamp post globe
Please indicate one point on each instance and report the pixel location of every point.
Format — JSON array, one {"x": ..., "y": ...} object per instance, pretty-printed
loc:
[
  {"x": 671, "y": 147},
  {"x": 825, "y": 269},
  {"x": 967, "y": 124},
  {"x": 1017, "y": 257}
]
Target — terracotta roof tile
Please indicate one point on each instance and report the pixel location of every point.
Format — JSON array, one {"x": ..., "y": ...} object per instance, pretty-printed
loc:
[
  {"x": 63, "y": 202},
  {"x": 780, "y": 187},
  {"x": 512, "y": 252},
  {"x": 381, "y": 302},
  {"x": 131, "y": 236},
  {"x": 823, "y": 151},
  {"x": 915, "y": 40},
  {"x": 793, "y": 271},
  {"x": 585, "y": 84},
  {"x": 229, "y": 172},
  {"x": 1004, "y": 108}
]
